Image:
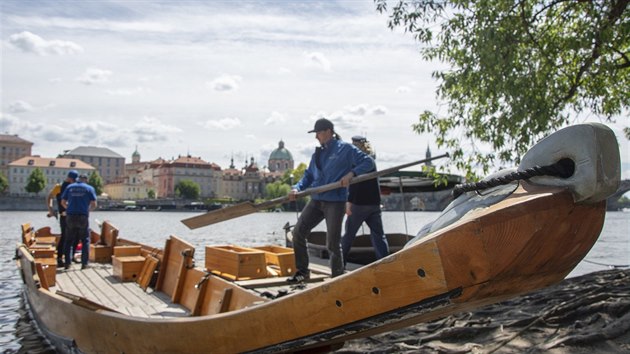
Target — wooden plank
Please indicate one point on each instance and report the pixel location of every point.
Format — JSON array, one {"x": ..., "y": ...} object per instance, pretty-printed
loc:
[
  {"x": 224, "y": 304},
  {"x": 186, "y": 257},
  {"x": 64, "y": 283},
  {"x": 98, "y": 294},
  {"x": 203, "y": 286},
  {"x": 41, "y": 275},
  {"x": 150, "y": 263},
  {"x": 134, "y": 295},
  {"x": 81, "y": 301},
  {"x": 165, "y": 261}
]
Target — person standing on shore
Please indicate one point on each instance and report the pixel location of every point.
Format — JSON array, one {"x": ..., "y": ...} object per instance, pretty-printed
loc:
[
  {"x": 333, "y": 161},
  {"x": 364, "y": 205},
  {"x": 78, "y": 199},
  {"x": 56, "y": 193}
]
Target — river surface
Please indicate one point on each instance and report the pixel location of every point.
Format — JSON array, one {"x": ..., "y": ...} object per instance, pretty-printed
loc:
[{"x": 18, "y": 335}]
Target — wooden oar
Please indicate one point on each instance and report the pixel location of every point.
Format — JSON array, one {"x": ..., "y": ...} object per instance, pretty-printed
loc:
[{"x": 247, "y": 208}]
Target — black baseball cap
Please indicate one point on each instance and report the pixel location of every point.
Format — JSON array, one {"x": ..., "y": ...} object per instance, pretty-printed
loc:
[{"x": 322, "y": 124}]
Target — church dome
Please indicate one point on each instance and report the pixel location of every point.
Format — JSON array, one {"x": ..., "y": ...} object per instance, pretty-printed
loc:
[
  {"x": 280, "y": 159},
  {"x": 281, "y": 153}
]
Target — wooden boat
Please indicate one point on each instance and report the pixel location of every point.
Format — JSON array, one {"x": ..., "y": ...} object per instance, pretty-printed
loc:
[{"x": 486, "y": 247}]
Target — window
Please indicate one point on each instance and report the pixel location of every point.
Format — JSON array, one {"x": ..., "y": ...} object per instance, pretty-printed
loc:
[
  {"x": 73, "y": 163},
  {"x": 31, "y": 162},
  {"x": 52, "y": 163}
]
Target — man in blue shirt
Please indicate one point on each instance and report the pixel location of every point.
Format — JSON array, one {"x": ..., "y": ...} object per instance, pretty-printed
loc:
[
  {"x": 79, "y": 199},
  {"x": 333, "y": 161}
]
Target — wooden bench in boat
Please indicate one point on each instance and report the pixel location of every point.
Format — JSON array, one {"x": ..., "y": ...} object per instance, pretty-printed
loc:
[
  {"x": 31, "y": 239},
  {"x": 102, "y": 250},
  {"x": 43, "y": 249},
  {"x": 127, "y": 262}
]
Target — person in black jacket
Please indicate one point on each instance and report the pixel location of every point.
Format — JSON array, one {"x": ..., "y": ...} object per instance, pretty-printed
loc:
[
  {"x": 56, "y": 193},
  {"x": 364, "y": 205}
]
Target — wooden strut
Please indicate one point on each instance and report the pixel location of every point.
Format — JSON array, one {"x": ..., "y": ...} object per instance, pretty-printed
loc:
[{"x": 247, "y": 208}]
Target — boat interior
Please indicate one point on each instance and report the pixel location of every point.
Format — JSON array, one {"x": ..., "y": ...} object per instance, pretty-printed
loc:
[{"x": 137, "y": 280}]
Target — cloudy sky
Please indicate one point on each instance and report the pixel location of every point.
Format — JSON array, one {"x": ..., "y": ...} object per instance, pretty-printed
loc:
[{"x": 213, "y": 79}]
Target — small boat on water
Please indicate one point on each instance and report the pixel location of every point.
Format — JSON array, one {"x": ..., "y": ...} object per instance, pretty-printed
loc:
[
  {"x": 516, "y": 231},
  {"x": 361, "y": 251}
]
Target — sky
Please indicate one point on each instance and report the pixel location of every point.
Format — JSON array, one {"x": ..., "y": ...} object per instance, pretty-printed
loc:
[{"x": 213, "y": 79}]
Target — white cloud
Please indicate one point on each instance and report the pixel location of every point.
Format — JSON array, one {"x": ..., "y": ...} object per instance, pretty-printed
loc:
[
  {"x": 364, "y": 110},
  {"x": 275, "y": 118},
  {"x": 317, "y": 60},
  {"x": 31, "y": 43},
  {"x": 151, "y": 129},
  {"x": 360, "y": 110},
  {"x": 126, "y": 91},
  {"x": 20, "y": 107},
  {"x": 223, "y": 124},
  {"x": 403, "y": 89},
  {"x": 379, "y": 110},
  {"x": 225, "y": 83},
  {"x": 93, "y": 76}
]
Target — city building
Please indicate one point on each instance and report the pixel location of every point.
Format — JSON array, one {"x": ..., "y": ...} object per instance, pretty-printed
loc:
[
  {"x": 280, "y": 159},
  {"x": 55, "y": 171},
  {"x": 12, "y": 147},
  {"x": 135, "y": 184},
  {"x": 232, "y": 185},
  {"x": 168, "y": 174},
  {"x": 110, "y": 165}
]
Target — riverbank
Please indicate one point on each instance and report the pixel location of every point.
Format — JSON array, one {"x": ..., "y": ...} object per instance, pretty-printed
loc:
[{"x": 585, "y": 314}]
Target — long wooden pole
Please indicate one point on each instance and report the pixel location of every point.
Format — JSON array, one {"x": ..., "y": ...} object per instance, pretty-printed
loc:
[{"x": 247, "y": 208}]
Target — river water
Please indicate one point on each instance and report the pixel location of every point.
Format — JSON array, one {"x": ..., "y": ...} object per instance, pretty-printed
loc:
[{"x": 17, "y": 334}]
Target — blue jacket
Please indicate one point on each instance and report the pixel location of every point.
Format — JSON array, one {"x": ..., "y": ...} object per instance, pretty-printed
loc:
[
  {"x": 331, "y": 162},
  {"x": 78, "y": 196}
]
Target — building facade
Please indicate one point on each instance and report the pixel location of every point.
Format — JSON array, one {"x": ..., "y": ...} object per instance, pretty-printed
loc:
[
  {"x": 110, "y": 165},
  {"x": 55, "y": 171},
  {"x": 167, "y": 174},
  {"x": 12, "y": 147}
]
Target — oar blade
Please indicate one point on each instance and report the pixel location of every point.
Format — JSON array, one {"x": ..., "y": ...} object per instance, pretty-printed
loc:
[{"x": 215, "y": 216}]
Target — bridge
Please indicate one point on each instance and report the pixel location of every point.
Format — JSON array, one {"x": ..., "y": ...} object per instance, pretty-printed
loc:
[{"x": 613, "y": 200}]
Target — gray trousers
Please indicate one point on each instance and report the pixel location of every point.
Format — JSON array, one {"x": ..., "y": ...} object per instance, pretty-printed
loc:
[{"x": 314, "y": 212}]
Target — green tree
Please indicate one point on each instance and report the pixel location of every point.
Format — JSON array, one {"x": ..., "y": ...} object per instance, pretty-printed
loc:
[
  {"x": 188, "y": 189},
  {"x": 277, "y": 189},
  {"x": 96, "y": 182},
  {"x": 36, "y": 181},
  {"x": 151, "y": 194},
  {"x": 4, "y": 183},
  {"x": 516, "y": 70},
  {"x": 297, "y": 173}
]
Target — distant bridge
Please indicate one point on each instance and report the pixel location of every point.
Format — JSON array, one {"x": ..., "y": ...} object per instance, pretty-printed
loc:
[{"x": 613, "y": 200}]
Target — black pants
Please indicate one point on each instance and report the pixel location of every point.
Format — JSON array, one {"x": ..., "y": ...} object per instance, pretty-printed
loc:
[{"x": 76, "y": 229}]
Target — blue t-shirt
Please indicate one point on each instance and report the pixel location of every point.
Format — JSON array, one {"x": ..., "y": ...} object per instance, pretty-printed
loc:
[
  {"x": 331, "y": 162},
  {"x": 78, "y": 195}
]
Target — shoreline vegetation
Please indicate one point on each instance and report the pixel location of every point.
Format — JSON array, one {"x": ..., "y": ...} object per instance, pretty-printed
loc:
[{"x": 585, "y": 314}]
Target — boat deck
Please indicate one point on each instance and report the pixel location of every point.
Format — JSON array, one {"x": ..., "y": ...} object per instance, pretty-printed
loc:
[{"x": 98, "y": 284}]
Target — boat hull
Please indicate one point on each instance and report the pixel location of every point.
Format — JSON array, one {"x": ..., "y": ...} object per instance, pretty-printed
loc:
[{"x": 530, "y": 240}]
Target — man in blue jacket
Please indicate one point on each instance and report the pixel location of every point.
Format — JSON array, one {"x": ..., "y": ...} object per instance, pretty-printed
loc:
[
  {"x": 79, "y": 199},
  {"x": 333, "y": 161}
]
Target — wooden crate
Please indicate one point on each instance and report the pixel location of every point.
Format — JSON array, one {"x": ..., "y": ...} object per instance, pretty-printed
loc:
[
  {"x": 127, "y": 268},
  {"x": 49, "y": 266},
  {"x": 281, "y": 257},
  {"x": 100, "y": 253},
  {"x": 128, "y": 250},
  {"x": 43, "y": 252},
  {"x": 236, "y": 262}
]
